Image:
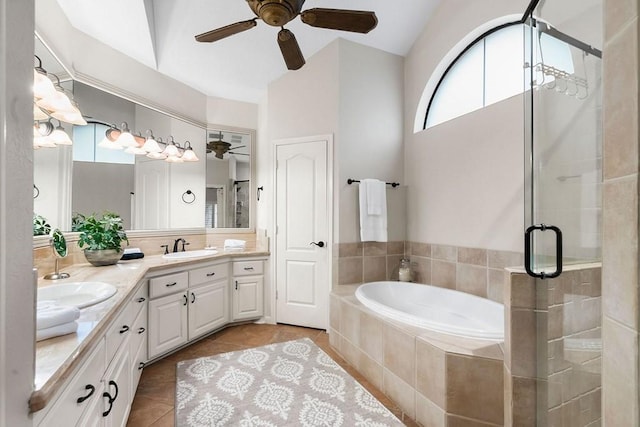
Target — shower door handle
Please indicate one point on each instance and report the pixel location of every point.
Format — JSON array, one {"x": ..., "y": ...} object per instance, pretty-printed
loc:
[{"x": 527, "y": 251}]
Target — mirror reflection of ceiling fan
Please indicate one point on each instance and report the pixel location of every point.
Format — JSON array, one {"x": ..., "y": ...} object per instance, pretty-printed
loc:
[
  {"x": 220, "y": 147},
  {"x": 277, "y": 13}
]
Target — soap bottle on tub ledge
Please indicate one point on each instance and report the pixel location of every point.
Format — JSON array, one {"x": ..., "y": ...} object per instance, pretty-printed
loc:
[{"x": 404, "y": 272}]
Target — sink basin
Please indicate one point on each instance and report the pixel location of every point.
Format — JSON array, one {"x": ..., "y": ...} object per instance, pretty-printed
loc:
[
  {"x": 190, "y": 254},
  {"x": 78, "y": 294}
]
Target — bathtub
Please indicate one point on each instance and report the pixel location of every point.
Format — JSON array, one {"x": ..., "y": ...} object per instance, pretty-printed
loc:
[{"x": 438, "y": 309}]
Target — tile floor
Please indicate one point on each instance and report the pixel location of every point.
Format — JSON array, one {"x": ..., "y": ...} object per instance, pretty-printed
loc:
[{"x": 154, "y": 399}]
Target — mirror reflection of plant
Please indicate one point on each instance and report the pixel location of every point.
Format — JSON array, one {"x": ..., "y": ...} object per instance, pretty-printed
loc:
[
  {"x": 99, "y": 233},
  {"x": 40, "y": 226},
  {"x": 59, "y": 243}
]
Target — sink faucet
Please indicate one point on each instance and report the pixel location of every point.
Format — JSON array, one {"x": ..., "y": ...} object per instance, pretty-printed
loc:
[{"x": 175, "y": 244}]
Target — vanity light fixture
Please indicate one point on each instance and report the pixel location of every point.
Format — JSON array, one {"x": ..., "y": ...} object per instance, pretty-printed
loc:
[
  {"x": 171, "y": 149},
  {"x": 189, "y": 155},
  {"x": 126, "y": 139},
  {"x": 150, "y": 144},
  {"x": 42, "y": 84},
  {"x": 59, "y": 136}
]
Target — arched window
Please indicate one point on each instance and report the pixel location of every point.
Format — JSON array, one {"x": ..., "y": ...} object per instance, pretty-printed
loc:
[{"x": 489, "y": 70}]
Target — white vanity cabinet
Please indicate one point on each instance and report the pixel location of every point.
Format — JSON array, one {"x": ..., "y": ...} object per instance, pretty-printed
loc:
[
  {"x": 100, "y": 391},
  {"x": 248, "y": 289},
  {"x": 200, "y": 305}
]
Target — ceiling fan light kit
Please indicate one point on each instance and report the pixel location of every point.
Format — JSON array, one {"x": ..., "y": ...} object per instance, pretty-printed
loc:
[{"x": 277, "y": 13}]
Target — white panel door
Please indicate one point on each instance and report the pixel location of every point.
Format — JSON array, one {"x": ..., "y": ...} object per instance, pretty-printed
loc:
[
  {"x": 151, "y": 195},
  {"x": 302, "y": 227}
]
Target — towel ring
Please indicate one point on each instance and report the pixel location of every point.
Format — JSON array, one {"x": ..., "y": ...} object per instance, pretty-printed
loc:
[
  {"x": 36, "y": 191},
  {"x": 187, "y": 194}
]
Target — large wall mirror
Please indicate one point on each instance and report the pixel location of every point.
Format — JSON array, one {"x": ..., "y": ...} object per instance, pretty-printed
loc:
[{"x": 149, "y": 194}]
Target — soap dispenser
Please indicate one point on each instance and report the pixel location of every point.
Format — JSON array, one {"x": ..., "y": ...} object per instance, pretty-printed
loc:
[{"x": 404, "y": 272}]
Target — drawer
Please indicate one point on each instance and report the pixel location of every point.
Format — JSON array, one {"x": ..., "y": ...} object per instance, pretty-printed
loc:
[
  {"x": 208, "y": 274},
  {"x": 168, "y": 284},
  {"x": 118, "y": 332},
  {"x": 139, "y": 300},
  {"x": 245, "y": 268}
]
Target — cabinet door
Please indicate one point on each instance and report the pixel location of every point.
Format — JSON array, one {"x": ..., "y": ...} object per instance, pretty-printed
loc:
[
  {"x": 117, "y": 383},
  {"x": 208, "y": 308},
  {"x": 167, "y": 323},
  {"x": 247, "y": 297}
]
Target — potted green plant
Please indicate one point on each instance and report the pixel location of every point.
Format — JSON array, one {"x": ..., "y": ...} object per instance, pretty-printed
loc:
[
  {"x": 102, "y": 236},
  {"x": 40, "y": 226}
]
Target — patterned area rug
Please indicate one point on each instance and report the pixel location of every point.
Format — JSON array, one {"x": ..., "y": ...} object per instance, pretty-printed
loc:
[{"x": 293, "y": 383}]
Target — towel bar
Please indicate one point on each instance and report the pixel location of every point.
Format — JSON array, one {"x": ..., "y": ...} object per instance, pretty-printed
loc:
[{"x": 393, "y": 184}]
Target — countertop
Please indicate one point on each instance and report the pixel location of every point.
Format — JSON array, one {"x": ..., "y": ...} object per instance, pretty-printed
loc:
[{"x": 57, "y": 358}]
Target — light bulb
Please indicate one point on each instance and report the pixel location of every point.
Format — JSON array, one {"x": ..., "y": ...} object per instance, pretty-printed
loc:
[
  {"x": 151, "y": 146},
  {"x": 126, "y": 140},
  {"x": 171, "y": 150},
  {"x": 189, "y": 156}
]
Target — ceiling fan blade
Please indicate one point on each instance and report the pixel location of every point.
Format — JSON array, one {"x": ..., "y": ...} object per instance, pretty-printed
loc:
[
  {"x": 290, "y": 50},
  {"x": 357, "y": 21},
  {"x": 237, "y": 154},
  {"x": 229, "y": 30},
  {"x": 235, "y": 148}
]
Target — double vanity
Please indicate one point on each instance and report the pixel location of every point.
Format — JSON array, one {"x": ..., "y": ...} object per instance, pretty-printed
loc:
[{"x": 89, "y": 378}]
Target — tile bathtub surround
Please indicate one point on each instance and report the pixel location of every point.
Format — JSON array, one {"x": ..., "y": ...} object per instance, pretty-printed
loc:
[
  {"x": 472, "y": 270},
  {"x": 566, "y": 318},
  {"x": 440, "y": 380},
  {"x": 367, "y": 262}
]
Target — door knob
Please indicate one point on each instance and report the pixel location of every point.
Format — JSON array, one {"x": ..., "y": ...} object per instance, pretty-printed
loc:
[{"x": 320, "y": 244}]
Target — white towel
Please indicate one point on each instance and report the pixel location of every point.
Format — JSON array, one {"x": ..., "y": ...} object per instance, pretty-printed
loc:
[
  {"x": 373, "y": 198},
  {"x": 234, "y": 244},
  {"x": 56, "y": 331},
  {"x": 49, "y": 315}
]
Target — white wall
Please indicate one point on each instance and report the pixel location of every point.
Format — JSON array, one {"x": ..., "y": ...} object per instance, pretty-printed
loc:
[
  {"x": 464, "y": 177},
  {"x": 370, "y": 134},
  {"x": 230, "y": 113}
]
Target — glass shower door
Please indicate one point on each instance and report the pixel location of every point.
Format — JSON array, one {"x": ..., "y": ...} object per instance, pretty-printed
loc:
[{"x": 563, "y": 208}]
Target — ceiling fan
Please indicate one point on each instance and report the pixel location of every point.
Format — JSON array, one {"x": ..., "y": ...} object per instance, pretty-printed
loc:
[
  {"x": 277, "y": 13},
  {"x": 221, "y": 147}
]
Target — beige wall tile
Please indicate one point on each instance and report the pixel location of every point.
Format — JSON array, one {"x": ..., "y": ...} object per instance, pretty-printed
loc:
[
  {"x": 471, "y": 279},
  {"x": 444, "y": 252},
  {"x": 400, "y": 353},
  {"x": 430, "y": 372},
  {"x": 618, "y": 13},
  {"x": 521, "y": 291},
  {"x": 454, "y": 421},
  {"x": 504, "y": 259},
  {"x": 371, "y": 370},
  {"x": 621, "y": 100},
  {"x": 334, "y": 312},
  {"x": 473, "y": 256},
  {"x": 371, "y": 332},
  {"x": 523, "y": 401},
  {"x": 400, "y": 392},
  {"x": 620, "y": 256},
  {"x": 350, "y": 249},
  {"x": 420, "y": 249},
  {"x": 335, "y": 339},
  {"x": 374, "y": 248},
  {"x": 495, "y": 284},
  {"x": 620, "y": 374},
  {"x": 443, "y": 274},
  {"x": 375, "y": 268},
  {"x": 395, "y": 248},
  {"x": 523, "y": 343},
  {"x": 474, "y": 388},
  {"x": 350, "y": 352},
  {"x": 350, "y": 271},
  {"x": 350, "y": 322},
  {"x": 429, "y": 414},
  {"x": 421, "y": 270}
]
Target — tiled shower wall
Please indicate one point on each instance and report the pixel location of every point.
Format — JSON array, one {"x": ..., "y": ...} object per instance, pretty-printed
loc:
[{"x": 473, "y": 270}]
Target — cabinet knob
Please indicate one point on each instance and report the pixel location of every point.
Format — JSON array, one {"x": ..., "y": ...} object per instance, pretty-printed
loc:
[
  {"x": 193, "y": 297},
  {"x": 91, "y": 390},
  {"x": 110, "y": 398},
  {"x": 141, "y": 330},
  {"x": 248, "y": 268},
  {"x": 211, "y": 274},
  {"x": 141, "y": 299},
  {"x": 186, "y": 299},
  {"x": 124, "y": 329},
  {"x": 168, "y": 285},
  {"x": 140, "y": 366}
]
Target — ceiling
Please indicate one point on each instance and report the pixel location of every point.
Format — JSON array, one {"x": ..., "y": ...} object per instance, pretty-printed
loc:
[{"x": 160, "y": 34}]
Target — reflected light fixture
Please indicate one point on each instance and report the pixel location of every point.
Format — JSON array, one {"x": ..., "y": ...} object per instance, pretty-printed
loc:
[
  {"x": 189, "y": 155},
  {"x": 59, "y": 136}
]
